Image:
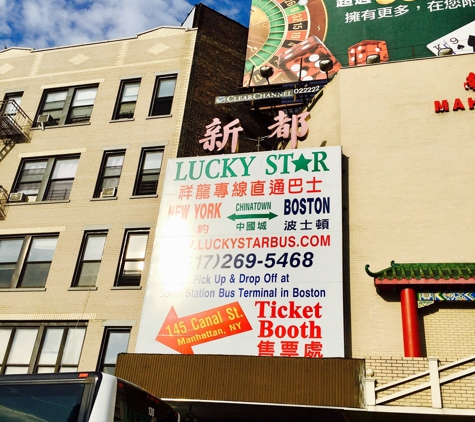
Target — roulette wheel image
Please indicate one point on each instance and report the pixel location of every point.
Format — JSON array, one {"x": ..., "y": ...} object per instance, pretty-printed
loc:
[{"x": 288, "y": 36}]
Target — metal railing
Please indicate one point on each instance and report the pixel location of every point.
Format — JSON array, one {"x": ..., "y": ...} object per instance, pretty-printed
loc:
[
  {"x": 3, "y": 203},
  {"x": 58, "y": 194},
  {"x": 15, "y": 124}
]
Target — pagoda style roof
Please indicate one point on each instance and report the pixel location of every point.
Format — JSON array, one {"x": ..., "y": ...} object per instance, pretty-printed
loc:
[{"x": 424, "y": 274}]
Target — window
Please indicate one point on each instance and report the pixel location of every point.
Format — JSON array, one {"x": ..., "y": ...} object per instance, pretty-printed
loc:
[
  {"x": 69, "y": 105},
  {"x": 115, "y": 341},
  {"x": 163, "y": 96},
  {"x": 109, "y": 175},
  {"x": 47, "y": 179},
  {"x": 90, "y": 257},
  {"x": 61, "y": 180},
  {"x": 132, "y": 258},
  {"x": 25, "y": 260},
  {"x": 128, "y": 92},
  {"x": 149, "y": 171},
  {"x": 10, "y": 109},
  {"x": 31, "y": 177},
  {"x": 40, "y": 348}
]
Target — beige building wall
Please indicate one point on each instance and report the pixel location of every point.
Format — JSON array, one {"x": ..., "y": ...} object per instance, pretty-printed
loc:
[
  {"x": 161, "y": 51},
  {"x": 409, "y": 195}
]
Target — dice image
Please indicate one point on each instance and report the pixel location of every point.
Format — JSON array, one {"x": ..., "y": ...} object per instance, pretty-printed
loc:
[
  {"x": 309, "y": 53},
  {"x": 358, "y": 53}
]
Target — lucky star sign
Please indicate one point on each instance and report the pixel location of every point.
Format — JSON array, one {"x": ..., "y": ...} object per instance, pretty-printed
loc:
[{"x": 247, "y": 258}]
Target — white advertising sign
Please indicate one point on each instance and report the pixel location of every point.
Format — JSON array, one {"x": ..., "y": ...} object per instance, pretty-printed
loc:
[{"x": 247, "y": 258}]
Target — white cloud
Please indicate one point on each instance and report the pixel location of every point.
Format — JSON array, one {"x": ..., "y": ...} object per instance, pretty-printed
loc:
[{"x": 47, "y": 23}]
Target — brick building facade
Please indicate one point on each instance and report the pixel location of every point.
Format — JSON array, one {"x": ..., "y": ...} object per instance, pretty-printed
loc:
[{"x": 86, "y": 132}]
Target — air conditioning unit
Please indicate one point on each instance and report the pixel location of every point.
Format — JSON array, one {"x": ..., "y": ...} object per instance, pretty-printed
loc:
[
  {"x": 45, "y": 120},
  {"x": 108, "y": 192},
  {"x": 17, "y": 197}
]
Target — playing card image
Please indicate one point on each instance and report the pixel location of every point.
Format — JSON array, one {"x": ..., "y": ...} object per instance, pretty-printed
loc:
[{"x": 461, "y": 41}]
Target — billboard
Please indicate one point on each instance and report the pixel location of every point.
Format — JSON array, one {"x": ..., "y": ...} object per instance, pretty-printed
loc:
[
  {"x": 294, "y": 36},
  {"x": 247, "y": 257}
]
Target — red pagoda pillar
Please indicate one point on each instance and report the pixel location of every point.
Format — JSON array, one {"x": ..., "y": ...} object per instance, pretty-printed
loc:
[{"x": 410, "y": 324}]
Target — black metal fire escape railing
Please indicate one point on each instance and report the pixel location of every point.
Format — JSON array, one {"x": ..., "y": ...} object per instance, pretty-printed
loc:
[
  {"x": 3, "y": 203},
  {"x": 15, "y": 124},
  {"x": 15, "y": 127}
]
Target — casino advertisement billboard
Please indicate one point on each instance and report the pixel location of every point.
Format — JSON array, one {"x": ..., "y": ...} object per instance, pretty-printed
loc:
[
  {"x": 247, "y": 257},
  {"x": 293, "y": 36}
]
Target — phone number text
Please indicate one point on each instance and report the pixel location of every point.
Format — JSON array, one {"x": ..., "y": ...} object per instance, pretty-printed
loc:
[{"x": 229, "y": 261}]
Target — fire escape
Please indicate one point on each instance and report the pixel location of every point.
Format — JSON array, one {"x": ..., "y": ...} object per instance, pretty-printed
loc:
[{"x": 15, "y": 128}]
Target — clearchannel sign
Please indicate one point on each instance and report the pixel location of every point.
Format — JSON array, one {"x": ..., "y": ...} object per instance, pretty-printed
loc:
[
  {"x": 247, "y": 257},
  {"x": 256, "y": 96}
]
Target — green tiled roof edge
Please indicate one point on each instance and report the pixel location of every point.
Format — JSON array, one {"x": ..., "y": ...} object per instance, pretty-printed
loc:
[{"x": 418, "y": 271}]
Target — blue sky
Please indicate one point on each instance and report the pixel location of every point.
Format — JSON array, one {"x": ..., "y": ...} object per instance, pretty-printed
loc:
[{"x": 50, "y": 23}]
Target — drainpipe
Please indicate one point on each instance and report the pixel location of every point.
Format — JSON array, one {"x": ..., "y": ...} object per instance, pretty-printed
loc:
[{"x": 410, "y": 324}]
